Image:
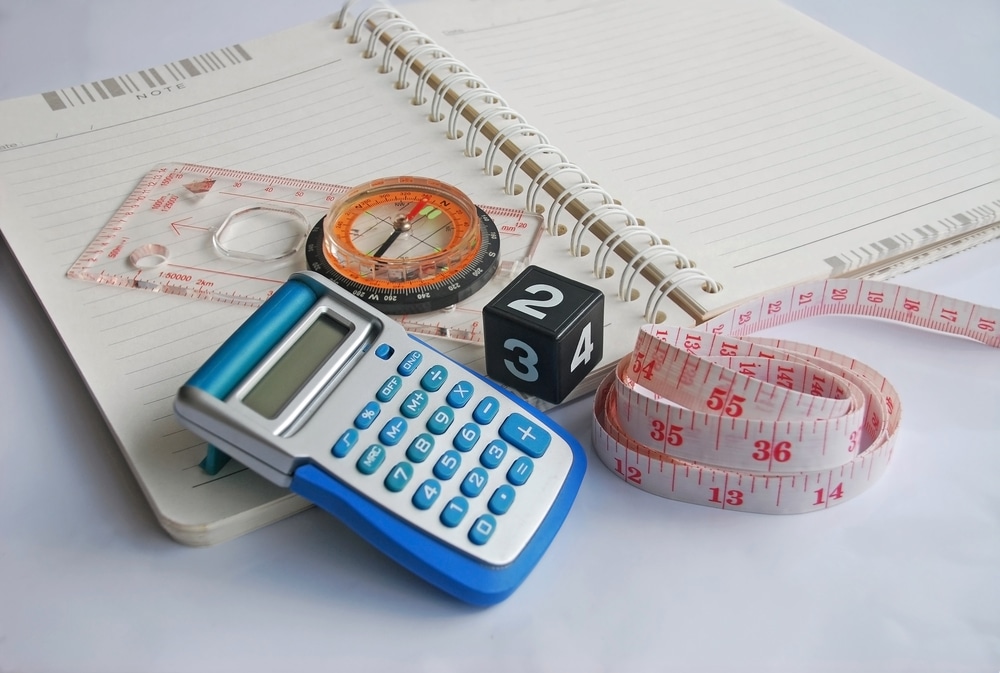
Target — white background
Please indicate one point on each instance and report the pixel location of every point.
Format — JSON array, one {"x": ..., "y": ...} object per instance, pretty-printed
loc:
[{"x": 906, "y": 578}]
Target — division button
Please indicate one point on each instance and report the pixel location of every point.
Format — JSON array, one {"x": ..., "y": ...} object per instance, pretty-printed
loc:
[{"x": 434, "y": 378}]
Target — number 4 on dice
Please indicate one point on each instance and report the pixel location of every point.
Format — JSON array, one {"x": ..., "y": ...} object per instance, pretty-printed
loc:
[{"x": 544, "y": 333}]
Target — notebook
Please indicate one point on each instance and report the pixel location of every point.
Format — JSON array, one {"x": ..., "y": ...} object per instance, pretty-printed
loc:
[{"x": 636, "y": 205}]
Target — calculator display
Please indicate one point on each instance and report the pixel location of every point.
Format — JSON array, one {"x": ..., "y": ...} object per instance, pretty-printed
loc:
[{"x": 296, "y": 366}]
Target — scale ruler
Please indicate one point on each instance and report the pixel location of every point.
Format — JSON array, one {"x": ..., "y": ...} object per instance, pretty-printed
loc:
[
  {"x": 713, "y": 417},
  {"x": 234, "y": 237}
]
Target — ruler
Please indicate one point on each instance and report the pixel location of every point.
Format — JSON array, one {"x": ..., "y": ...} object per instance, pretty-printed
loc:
[
  {"x": 715, "y": 417},
  {"x": 230, "y": 236}
]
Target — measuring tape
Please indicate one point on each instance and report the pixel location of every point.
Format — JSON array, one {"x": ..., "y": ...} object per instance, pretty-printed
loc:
[{"x": 707, "y": 416}]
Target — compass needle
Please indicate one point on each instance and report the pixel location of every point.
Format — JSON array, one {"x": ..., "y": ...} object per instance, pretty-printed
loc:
[{"x": 451, "y": 247}]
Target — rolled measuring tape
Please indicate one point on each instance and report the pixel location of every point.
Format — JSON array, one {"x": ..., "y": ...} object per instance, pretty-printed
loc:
[{"x": 710, "y": 416}]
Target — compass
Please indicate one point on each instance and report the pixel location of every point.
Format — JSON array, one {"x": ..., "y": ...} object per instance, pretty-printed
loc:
[{"x": 405, "y": 244}]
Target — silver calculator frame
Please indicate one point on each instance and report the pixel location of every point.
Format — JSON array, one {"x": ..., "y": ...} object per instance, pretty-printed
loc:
[{"x": 256, "y": 440}]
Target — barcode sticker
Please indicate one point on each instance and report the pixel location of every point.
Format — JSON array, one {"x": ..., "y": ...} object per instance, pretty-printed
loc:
[{"x": 148, "y": 82}]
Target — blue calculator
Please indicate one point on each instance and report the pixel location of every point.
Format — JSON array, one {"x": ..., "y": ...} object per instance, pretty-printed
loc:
[{"x": 441, "y": 469}]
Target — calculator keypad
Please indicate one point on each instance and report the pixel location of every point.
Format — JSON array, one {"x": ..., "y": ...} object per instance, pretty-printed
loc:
[{"x": 449, "y": 455}]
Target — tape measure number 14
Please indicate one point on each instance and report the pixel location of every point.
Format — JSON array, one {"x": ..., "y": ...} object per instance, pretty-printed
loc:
[{"x": 712, "y": 417}]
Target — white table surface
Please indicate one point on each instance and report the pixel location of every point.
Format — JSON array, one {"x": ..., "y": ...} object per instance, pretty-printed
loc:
[{"x": 905, "y": 578}]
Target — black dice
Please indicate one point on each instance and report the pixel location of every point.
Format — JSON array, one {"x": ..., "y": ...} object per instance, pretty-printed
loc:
[{"x": 544, "y": 333}]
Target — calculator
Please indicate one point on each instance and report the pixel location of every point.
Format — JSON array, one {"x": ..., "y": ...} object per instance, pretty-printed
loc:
[{"x": 439, "y": 468}]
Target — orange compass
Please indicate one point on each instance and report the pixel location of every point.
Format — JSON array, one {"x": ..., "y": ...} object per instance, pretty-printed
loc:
[{"x": 405, "y": 245}]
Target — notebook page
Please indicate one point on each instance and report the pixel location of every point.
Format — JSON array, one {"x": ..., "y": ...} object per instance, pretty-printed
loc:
[
  {"x": 70, "y": 157},
  {"x": 768, "y": 148},
  {"x": 297, "y": 104}
]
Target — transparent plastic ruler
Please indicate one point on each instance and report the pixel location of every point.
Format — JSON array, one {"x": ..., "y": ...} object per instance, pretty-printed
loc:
[
  {"x": 230, "y": 236},
  {"x": 715, "y": 417}
]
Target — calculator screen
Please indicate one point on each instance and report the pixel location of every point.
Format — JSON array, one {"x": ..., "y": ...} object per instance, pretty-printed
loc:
[{"x": 296, "y": 366}]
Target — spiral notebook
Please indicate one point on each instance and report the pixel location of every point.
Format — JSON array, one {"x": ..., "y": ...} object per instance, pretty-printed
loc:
[{"x": 781, "y": 152}]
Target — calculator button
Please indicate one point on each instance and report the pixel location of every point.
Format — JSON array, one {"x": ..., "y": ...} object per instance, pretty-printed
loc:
[
  {"x": 367, "y": 416},
  {"x": 493, "y": 454},
  {"x": 474, "y": 482},
  {"x": 502, "y": 499},
  {"x": 486, "y": 410},
  {"x": 384, "y": 351},
  {"x": 399, "y": 476},
  {"x": 460, "y": 394},
  {"x": 447, "y": 465},
  {"x": 426, "y": 494},
  {"x": 466, "y": 438},
  {"x": 393, "y": 432},
  {"x": 371, "y": 459},
  {"x": 482, "y": 530},
  {"x": 389, "y": 388},
  {"x": 410, "y": 363},
  {"x": 454, "y": 511},
  {"x": 520, "y": 471},
  {"x": 346, "y": 442},
  {"x": 420, "y": 448},
  {"x": 414, "y": 404},
  {"x": 434, "y": 378},
  {"x": 440, "y": 420},
  {"x": 526, "y": 435}
]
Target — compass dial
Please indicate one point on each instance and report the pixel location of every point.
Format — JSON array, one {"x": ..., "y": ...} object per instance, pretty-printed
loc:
[{"x": 405, "y": 245}]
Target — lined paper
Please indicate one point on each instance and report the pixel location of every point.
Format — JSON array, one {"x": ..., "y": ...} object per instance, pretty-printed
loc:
[
  {"x": 301, "y": 104},
  {"x": 761, "y": 144}
]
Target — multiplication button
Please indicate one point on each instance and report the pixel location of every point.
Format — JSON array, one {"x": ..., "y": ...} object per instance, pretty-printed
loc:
[{"x": 460, "y": 394}]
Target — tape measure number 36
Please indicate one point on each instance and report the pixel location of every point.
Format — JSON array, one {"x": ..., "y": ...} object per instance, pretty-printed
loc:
[{"x": 708, "y": 416}]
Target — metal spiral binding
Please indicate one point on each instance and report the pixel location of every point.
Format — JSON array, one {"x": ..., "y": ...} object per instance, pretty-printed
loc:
[{"x": 593, "y": 208}]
